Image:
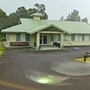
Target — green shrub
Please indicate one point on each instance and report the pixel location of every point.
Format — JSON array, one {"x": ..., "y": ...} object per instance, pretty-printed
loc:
[{"x": 1, "y": 49}]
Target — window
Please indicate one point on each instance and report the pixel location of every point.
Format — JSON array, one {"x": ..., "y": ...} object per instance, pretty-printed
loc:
[
  {"x": 82, "y": 37},
  {"x": 18, "y": 37},
  {"x": 56, "y": 37},
  {"x": 27, "y": 37},
  {"x": 52, "y": 37},
  {"x": 73, "y": 37}
]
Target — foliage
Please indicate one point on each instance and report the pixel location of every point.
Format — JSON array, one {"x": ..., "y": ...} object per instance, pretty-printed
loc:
[
  {"x": 1, "y": 37},
  {"x": 74, "y": 16},
  {"x": 40, "y": 8},
  {"x": 85, "y": 20},
  {"x": 2, "y": 14},
  {"x": 62, "y": 18},
  {"x": 1, "y": 49}
]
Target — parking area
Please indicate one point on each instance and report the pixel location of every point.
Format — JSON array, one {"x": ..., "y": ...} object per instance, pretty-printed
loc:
[{"x": 21, "y": 69}]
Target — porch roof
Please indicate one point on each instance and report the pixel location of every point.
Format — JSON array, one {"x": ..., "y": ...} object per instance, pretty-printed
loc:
[
  {"x": 41, "y": 27},
  {"x": 33, "y": 26}
]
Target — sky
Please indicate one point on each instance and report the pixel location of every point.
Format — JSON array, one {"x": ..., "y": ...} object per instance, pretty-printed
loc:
[{"x": 54, "y": 8}]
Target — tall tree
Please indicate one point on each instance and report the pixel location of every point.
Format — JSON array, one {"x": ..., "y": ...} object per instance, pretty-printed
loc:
[
  {"x": 21, "y": 12},
  {"x": 2, "y": 14},
  {"x": 74, "y": 16},
  {"x": 13, "y": 19}
]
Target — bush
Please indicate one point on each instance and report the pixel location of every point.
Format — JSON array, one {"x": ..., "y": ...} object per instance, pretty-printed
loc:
[{"x": 1, "y": 48}]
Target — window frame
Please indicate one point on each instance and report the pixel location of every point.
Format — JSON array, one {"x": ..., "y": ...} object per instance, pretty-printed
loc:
[{"x": 18, "y": 37}]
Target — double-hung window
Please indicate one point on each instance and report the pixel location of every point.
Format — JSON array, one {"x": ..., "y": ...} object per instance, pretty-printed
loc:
[
  {"x": 18, "y": 37},
  {"x": 27, "y": 37},
  {"x": 73, "y": 37}
]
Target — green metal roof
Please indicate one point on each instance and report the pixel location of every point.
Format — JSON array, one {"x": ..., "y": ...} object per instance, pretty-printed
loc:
[{"x": 33, "y": 26}]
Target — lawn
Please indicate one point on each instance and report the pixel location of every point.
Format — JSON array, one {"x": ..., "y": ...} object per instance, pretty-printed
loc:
[
  {"x": 82, "y": 60},
  {"x": 1, "y": 49}
]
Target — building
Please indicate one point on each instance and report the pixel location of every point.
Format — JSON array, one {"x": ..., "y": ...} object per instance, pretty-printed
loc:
[{"x": 39, "y": 34}]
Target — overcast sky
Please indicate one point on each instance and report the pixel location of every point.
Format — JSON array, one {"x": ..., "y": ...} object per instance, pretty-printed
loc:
[{"x": 54, "y": 8}]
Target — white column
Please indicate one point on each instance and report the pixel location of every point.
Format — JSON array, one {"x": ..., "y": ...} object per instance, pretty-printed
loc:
[
  {"x": 62, "y": 40},
  {"x": 38, "y": 40},
  {"x": 7, "y": 40}
]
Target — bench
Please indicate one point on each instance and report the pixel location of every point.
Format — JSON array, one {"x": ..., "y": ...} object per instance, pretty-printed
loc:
[
  {"x": 19, "y": 43},
  {"x": 86, "y": 55}
]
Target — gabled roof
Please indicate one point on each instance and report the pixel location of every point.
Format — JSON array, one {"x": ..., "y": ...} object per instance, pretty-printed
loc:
[
  {"x": 33, "y": 26},
  {"x": 41, "y": 27}
]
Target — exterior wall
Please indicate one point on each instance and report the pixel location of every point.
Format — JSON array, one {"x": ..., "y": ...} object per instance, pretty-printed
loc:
[
  {"x": 32, "y": 40},
  {"x": 78, "y": 40},
  {"x": 12, "y": 37},
  {"x": 65, "y": 40}
]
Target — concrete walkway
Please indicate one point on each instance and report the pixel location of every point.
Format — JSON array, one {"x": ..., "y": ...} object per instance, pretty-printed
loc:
[{"x": 73, "y": 68}]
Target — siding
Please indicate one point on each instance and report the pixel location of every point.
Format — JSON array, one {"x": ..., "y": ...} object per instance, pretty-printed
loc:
[{"x": 12, "y": 37}]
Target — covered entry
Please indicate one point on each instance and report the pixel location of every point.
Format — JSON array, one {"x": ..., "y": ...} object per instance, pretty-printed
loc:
[{"x": 50, "y": 37}]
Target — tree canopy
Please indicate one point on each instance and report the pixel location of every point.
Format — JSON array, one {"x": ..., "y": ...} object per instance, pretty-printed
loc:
[{"x": 74, "y": 16}]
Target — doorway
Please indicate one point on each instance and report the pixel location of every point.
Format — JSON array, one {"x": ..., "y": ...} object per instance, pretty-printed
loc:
[{"x": 43, "y": 39}]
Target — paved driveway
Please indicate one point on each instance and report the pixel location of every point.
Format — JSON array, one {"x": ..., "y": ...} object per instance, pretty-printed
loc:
[{"x": 21, "y": 68}]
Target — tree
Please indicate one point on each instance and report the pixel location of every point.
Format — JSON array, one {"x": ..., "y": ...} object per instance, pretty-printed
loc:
[
  {"x": 73, "y": 16},
  {"x": 21, "y": 12},
  {"x": 3, "y": 18},
  {"x": 13, "y": 19},
  {"x": 40, "y": 8},
  {"x": 85, "y": 20},
  {"x": 2, "y": 14},
  {"x": 62, "y": 18}
]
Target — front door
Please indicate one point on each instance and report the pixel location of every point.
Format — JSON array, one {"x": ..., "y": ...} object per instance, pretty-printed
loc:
[{"x": 43, "y": 39}]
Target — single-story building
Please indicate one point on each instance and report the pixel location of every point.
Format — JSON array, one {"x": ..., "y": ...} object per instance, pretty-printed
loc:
[{"x": 38, "y": 33}]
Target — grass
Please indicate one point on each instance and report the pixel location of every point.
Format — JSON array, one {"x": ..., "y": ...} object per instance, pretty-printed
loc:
[
  {"x": 82, "y": 60},
  {"x": 1, "y": 49}
]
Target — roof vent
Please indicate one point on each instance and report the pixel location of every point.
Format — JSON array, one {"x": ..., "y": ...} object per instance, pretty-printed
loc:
[{"x": 36, "y": 16}]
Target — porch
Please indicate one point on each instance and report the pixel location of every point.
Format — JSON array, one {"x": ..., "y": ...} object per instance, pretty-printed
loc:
[
  {"x": 49, "y": 47},
  {"x": 47, "y": 41}
]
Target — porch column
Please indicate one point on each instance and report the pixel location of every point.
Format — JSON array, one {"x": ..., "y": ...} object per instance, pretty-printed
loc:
[
  {"x": 38, "y": 40},
  {"x": 62, "y": 40},
  {"x": 7, "y": 40}
]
